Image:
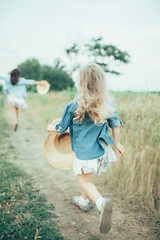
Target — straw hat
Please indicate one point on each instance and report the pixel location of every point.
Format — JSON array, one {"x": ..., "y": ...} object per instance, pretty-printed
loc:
[
  {"x": 43, "y": 88},
  {"x": 57, "y": 149}
]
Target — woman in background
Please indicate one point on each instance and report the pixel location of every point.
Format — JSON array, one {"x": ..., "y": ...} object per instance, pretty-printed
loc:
[{"x": 15, "y": 87}]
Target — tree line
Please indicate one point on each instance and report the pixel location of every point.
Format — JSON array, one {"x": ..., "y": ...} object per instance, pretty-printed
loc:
[
  {"x": 58, "y": 78},
  {"x": 59, "y": 75}
]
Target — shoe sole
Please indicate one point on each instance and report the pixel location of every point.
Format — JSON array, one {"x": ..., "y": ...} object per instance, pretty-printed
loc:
[{"x": 106, "y": 221}]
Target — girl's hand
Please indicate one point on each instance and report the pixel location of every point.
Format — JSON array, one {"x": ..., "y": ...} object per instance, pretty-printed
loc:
[
  {"x": 120, "y": 148},
  {"x": 51, "y": 128},
  {"x": 38, "y": 83}
]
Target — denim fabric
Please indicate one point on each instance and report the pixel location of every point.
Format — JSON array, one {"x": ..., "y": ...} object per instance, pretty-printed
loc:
[
  {"x": 87, "y": 139},
  {"x": 18, "y": 90}
]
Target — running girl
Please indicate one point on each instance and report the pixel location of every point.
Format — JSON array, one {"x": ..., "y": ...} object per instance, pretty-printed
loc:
[{"x": 87, "y": 119}]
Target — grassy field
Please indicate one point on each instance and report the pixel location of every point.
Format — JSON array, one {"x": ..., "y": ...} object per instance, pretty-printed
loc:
[
  {"x": 25, "y": 213},
  {"x": 136, "y": 176}
]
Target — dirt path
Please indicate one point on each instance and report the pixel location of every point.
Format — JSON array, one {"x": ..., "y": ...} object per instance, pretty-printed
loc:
[{"x": 59, "y": 187}]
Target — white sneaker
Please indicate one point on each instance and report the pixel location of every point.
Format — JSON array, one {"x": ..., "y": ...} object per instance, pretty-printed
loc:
[
  {"x": 105, "y": 219},
  {"x": 84, "y": 208}
]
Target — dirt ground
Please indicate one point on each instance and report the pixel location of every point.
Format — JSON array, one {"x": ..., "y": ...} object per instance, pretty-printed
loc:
[{"x": 60, "y": 186}]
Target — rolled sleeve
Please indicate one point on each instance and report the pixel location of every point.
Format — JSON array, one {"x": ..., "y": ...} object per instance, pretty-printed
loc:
[
  {"x": 59, "y": 128},
  {"x": 67, "y": 118},
  {"x": 4, "y": 82},
  {"x": 114, "y": 121},
  {"x": 30, "y": 82},
  {"x": 24, "y": 81},
  {"x": 5, "y": 89},
  {"x": 4, "y": 78}
]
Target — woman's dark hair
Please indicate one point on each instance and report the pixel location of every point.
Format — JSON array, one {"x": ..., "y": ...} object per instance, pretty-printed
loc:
[{"x": 15, "y": 74}]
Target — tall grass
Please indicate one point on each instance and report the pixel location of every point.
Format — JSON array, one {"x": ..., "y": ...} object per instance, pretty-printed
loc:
[{"x": 137, "y": 175}]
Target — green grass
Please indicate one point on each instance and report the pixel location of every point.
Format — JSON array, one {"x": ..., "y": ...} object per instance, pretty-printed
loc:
[{"x": 25, "y": 213}]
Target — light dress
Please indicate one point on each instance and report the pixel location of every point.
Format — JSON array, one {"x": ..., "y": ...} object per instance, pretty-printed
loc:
[
  {"x": 18, "y": 102},
  {"x": 97, "y": 166}
]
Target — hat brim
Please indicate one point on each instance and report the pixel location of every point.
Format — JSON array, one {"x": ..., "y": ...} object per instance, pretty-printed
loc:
[
  {"x": 58, "y": 151},
  {"x": 43, "y": 88}
]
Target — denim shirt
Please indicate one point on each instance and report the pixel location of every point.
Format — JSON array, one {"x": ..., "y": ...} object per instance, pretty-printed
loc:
[
  {"x": 17, "y": 90},
  {"x": 87, "y": 139}
]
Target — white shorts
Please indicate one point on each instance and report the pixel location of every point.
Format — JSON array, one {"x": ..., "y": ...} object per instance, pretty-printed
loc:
[
  {"x": 94, "y": 165},
  {"x": 18, "y": 102}
]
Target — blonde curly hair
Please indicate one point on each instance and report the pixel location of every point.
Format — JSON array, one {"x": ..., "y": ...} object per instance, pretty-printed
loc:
[{"x": 93, "y": 100}]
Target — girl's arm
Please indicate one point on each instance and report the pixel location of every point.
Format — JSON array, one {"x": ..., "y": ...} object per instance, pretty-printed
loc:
[
  {"x": 24, "y": 81},
  {"x": 66, "y": 120},
  {"x": 37, "y": 83},
  {"x": 115, "y": 124},
  {"x": 3, "y": 78},
  {"x": 2, "y": 82},
  {"x": 116, "y": 134}
]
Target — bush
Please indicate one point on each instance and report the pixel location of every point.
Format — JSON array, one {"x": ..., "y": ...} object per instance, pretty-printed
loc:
[
  {"x": 57, "y": 78},
  {"x": 30, "y": 69},
  {"x": 55, "y": 75}
]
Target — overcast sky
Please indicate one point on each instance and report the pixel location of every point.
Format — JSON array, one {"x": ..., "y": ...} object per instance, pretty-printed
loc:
[{"x": 44, "y": 28}]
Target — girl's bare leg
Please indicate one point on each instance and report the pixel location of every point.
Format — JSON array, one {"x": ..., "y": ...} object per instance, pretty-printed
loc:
[
  {"x": 104, "y": 206},
  {"x": 15, "y": 115},
  {"x": 17, "y": 112},
  {"x": 84, "y": 194},
  {"x": 88, "y": 188}
]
